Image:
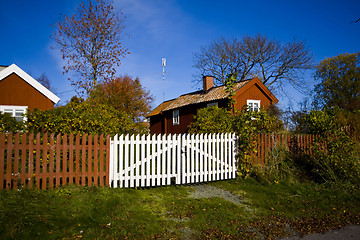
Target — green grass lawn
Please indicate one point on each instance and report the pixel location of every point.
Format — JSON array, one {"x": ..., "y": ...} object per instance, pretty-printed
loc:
[{"x": 254, "y": 211}]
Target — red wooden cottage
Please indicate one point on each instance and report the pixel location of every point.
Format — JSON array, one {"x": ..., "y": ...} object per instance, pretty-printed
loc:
[
  {"x": 174, "y": 116},
  {"x": 19, "y": 91}
]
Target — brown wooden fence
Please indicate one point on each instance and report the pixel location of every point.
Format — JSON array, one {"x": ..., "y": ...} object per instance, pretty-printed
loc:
[
  {"x": 46, "y": 161},
  {"x": 267, "y": 144}
]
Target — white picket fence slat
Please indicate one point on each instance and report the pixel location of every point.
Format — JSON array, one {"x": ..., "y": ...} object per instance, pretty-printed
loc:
[{"x": 155, "y": 160}]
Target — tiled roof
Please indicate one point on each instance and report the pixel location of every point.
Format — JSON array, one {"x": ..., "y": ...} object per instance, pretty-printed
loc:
[
  {"x": 215, "y": 93},
  {"x": 159, "y": 108}
]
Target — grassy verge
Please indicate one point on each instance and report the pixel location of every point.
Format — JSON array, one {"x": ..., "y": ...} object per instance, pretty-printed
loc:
[{"x": 238, "y": 209}]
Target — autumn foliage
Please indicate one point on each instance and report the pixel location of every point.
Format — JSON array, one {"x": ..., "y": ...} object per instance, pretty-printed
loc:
[
  {"x": 90, "y": 43},
  {"x": 125, "y": 94}
]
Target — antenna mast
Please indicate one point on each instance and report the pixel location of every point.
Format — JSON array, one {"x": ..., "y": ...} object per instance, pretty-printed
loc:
[{"x": 163, "y": 65}]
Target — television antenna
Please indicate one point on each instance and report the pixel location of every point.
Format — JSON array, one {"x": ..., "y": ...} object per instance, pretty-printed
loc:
[{"x": 163, "y": 60}]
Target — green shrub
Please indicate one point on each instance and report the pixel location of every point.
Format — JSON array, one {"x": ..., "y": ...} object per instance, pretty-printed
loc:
[
  {"x": 318, "y": 122},
  {"x": 245, "y": 126},
  {"x": 336, "y": 158},
  {"x": 79, "y": 117},
  {"x": 9, "y": 123},
  {"x": 335, "y": 154},
  {"x": 212, "y": 120}
]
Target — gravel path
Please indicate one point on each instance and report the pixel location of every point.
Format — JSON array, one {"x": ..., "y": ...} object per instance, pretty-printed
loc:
[{"x": 206, "y": 191}]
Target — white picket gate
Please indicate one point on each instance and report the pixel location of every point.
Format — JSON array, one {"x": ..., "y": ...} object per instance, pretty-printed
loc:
[{"x": 154, "y": 160}]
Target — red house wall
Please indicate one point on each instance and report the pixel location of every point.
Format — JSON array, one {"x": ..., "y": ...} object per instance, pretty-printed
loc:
[
  {"x": 15, "y": 91},
  {"x": 254, "y": 92}
]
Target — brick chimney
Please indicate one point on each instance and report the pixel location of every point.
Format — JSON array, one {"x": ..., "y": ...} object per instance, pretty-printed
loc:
[{"x": 208, "y": 82}]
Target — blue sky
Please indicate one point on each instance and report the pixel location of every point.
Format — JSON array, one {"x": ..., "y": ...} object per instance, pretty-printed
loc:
[{"x": 175, "y": 30}]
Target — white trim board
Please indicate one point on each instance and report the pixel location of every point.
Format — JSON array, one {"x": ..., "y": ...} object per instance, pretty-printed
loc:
[{"x": 30, "y": 80}]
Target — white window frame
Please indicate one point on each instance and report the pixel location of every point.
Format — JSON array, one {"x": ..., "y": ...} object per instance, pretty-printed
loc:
[
  {"x": 251, "y": 103},
  {"x": 212, "y": 104},
  {"x": 176, "y": 117},
  {"x": 12, "y": 110}
]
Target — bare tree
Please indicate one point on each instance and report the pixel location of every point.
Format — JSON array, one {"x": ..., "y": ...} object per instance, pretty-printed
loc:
[
  {"x": 356, "y": 21},
  {"x": 44, "y": 80},
  {"x": 90, "y": 43},
  {"x": 274, "y": 63}
]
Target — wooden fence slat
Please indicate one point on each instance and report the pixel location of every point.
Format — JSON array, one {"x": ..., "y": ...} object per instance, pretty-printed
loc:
[
  {"x": 102, "y": 170},
  {"x": 143, "y": 162},
  {"x": 31, "y": 160},
  {"x": 163, "y": 160},
  {"x": 226, "y": 151},
  {"x": 90, "y": 160},
  {"x": 7, "y": 166},
  {"x": 205, "y": 157},
  {"x": 107, "y": 149},
  {"x": 131, "y": 160},
  {"x": 154, "y": 156},
  {"x": 189, "y": 166},
  {"x": 126, "y": 158},
  {"x": 37, "y": 160},
  {"x": 77, "y": 159},
  {"x": 222, "y": 151},
  {"x": 58, "y": 159},
  {"x": 213, "y": 143},
  {"x": 44, "y": 172},
  {"x": 23, "y": 174},
  {"x": 196, "y": 158},
  {"x": 2, "y": 156},
  {"x": 64, "y": 159},
  {"x": 51, "y": 162},
  {"x": 8, "y": 161},
  {"x": 71, "y": 159},
  {"x": 168, "y": 161},
  {"x": 16, "y": 171},
  {"x": 96, "y": 160},
  {"x": 115, "y": 165},
  {"x": 174, "y": 156},
  {"x": 201, "y": 157}
]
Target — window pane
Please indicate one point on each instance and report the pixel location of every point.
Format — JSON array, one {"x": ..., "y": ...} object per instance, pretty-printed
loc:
[
  {"x": 176, "y": 117},
  {"x": 10, "y": 111},
  {"x": 256, "y": 107},
  {"x": 19, "y": 113}
]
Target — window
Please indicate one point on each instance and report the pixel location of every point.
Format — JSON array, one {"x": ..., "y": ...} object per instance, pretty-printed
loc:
[
  {"x": 212, "y": 104},
  {"x": 15, "y": 111},
  {"x": 176, "y": 117},
  {"x": 253, "y": 105}
]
